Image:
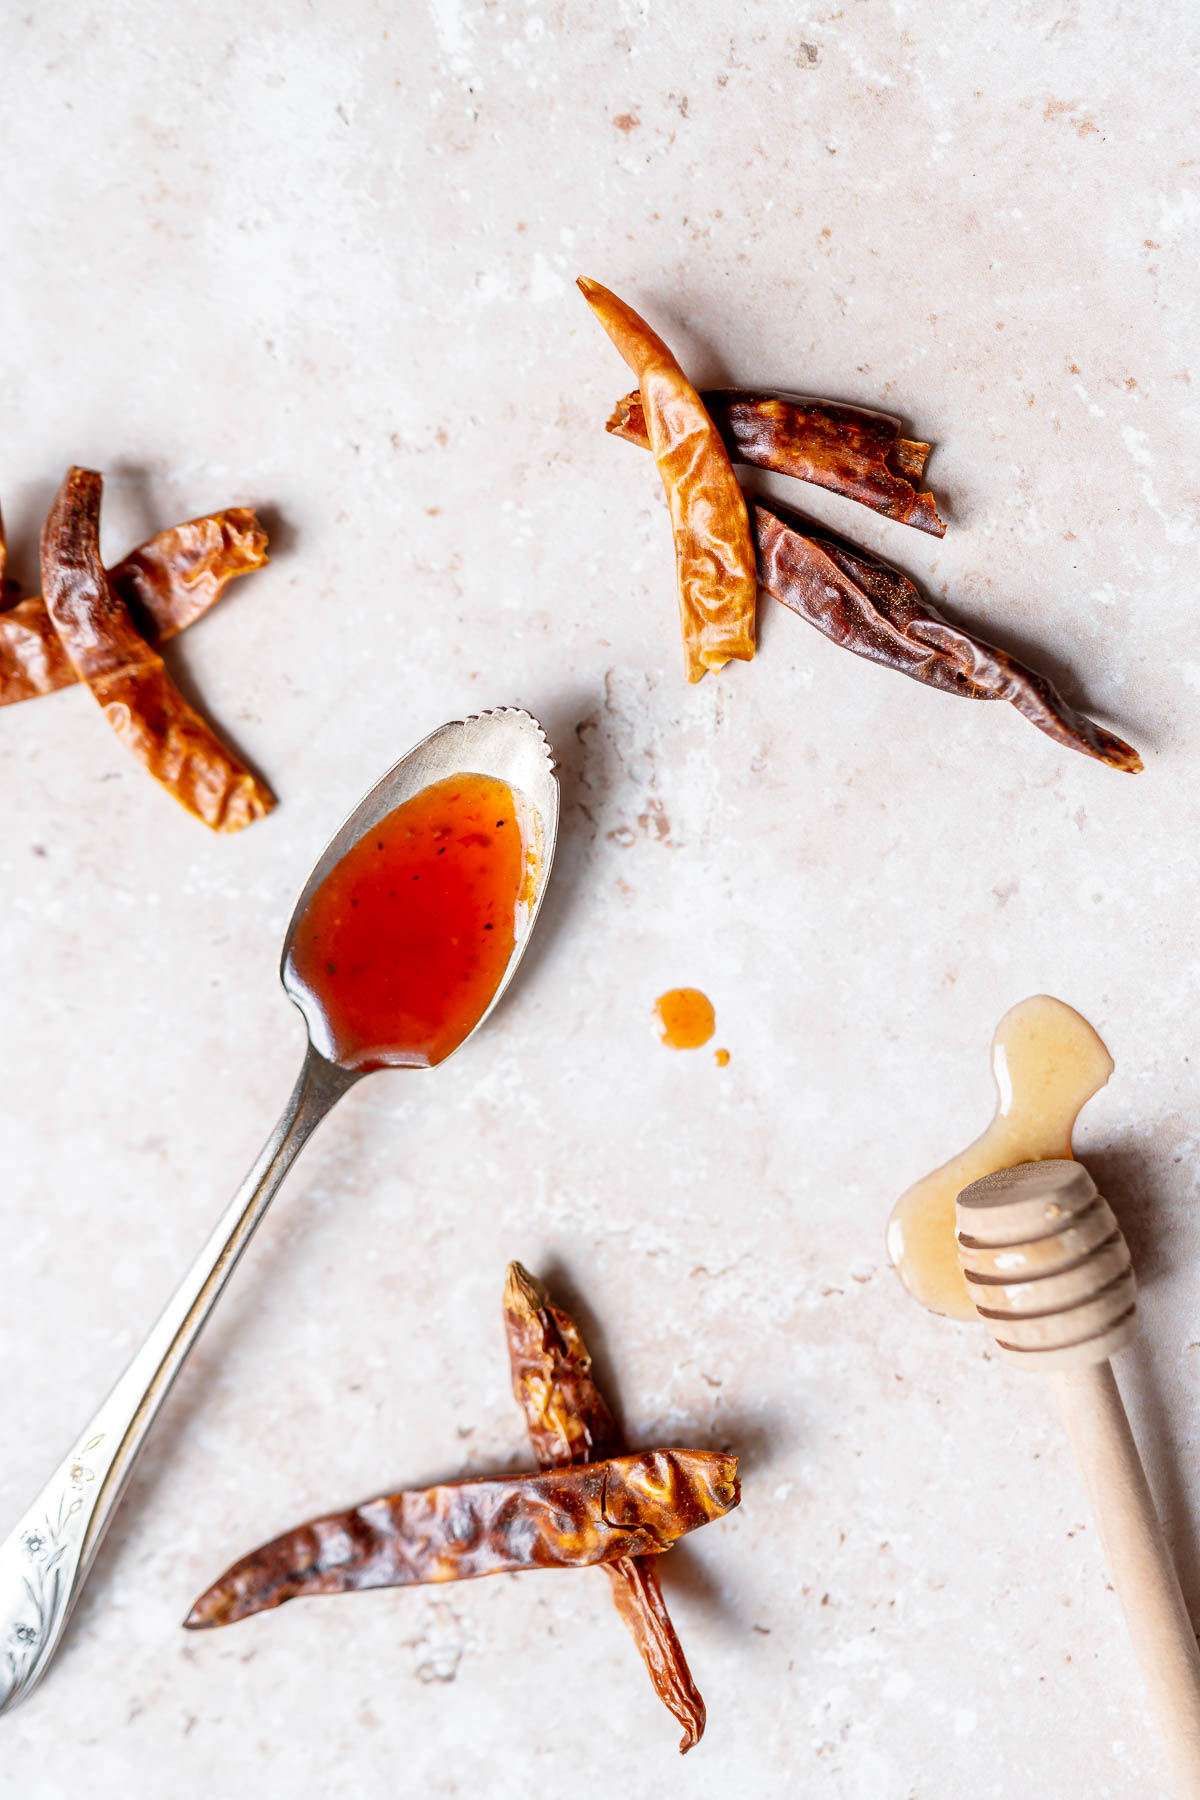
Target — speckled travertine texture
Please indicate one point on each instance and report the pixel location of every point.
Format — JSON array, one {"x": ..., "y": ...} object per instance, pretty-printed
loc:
[{"x": 318, "y": 258}]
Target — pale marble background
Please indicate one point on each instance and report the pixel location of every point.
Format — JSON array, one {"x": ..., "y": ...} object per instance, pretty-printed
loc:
[{"x": 319, "y": 258}]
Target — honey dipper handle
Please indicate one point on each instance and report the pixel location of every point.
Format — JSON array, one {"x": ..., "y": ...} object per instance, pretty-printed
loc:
[{"x": 1142, "y": 1570}]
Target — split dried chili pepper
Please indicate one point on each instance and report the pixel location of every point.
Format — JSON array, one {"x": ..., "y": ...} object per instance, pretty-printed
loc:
[
  {"x": 166, "y": 584},
  {"x": 714, "y": 552},
  {"x": 125, "y": 675},
  {"x": 847, "y": 449},
  {"x": 567, "y": 1519},
  {"x": 569, "y": 1422},
  {"x": 867, "y": 606}
]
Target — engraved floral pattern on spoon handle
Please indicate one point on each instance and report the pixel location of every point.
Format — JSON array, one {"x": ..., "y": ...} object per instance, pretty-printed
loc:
[{"x": 37, "y": 1549}]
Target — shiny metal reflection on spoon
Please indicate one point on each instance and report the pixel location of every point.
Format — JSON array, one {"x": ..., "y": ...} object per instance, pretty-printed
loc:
[{"x": 45, "y": 1560}]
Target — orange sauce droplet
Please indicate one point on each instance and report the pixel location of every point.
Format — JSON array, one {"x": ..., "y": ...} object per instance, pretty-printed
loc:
[
  {"x": 684, "y": 1018},
  {"x": 721, "y": 1058},
  {"x": 1047, "y": 1062},
  {"x": 401, "y": 948}
]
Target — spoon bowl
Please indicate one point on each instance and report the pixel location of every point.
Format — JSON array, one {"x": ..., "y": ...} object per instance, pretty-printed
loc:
[
  {"x": 45, "y": 1560},
  {"x": 508, "y": 745}
]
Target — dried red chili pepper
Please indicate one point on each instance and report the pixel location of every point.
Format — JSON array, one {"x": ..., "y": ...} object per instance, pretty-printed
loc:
[
  {"x": 127, "y": 678},
  {"x": 175, "y": 577},
  {"x": 847, "y": 449},
  {"x": 166, "y": 584},
  {"x": 569, "y": 1422},
  {"x": 8, "y": 589},
  {"x": 714, "y": 552},
  {"x": 869, "y": 607},
  {"x": 567, "y": 1519}
]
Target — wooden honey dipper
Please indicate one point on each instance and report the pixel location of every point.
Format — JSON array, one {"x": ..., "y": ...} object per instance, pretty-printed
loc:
[{"x": 1051, "y": 1277}]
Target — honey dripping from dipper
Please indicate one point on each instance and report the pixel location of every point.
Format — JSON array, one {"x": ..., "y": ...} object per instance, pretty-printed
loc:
[{"x": 1047, "y": 1062}]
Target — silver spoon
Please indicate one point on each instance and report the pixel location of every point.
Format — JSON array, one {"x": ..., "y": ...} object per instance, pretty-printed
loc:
[{"x": 45, "y": 1561}]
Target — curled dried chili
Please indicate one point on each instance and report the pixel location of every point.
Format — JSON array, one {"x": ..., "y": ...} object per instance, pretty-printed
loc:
[
  {"x": 569, "y": 1422},
  {"x": 166, "y": 584},
  {"x": 563, "y": 1519},
  {"x": 867, "y": 606},
  {"x": 169, "y": 581},
  {"x": 714, "y": 552},
  {"x": 127, "y": 677},
  {"x": 848, "y": 449}
]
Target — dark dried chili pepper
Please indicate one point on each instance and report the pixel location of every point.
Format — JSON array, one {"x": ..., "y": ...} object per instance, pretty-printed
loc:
[
  {"x": 847, "y": 449},
  {"x": 869, "y": 607},
  {"x": 127, "y": 678},
  {"x": 166, "y": 584},
  {"x": 714, "y": 552},
  {"x": 569, "y": 1422},
  {"x": 567, "y": 1519},
  {"x": 566, "y": 1415}
]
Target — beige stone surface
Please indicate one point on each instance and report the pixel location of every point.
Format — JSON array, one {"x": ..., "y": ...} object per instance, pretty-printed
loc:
[{"x": 319, "y": 258}]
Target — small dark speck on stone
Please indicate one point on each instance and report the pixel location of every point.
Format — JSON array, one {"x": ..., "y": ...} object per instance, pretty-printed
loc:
[{"x": 39, "y": 849}]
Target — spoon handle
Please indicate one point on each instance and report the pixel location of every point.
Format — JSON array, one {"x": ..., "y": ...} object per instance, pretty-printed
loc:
[{"x": 45, "y": 1560}]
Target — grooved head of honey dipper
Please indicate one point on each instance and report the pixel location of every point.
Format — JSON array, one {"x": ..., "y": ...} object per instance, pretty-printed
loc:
[{"x": 1046, "y": 1265}]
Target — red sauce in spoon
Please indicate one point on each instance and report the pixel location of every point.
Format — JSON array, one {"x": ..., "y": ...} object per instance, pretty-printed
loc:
[{"x": 401, "y": 948}]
